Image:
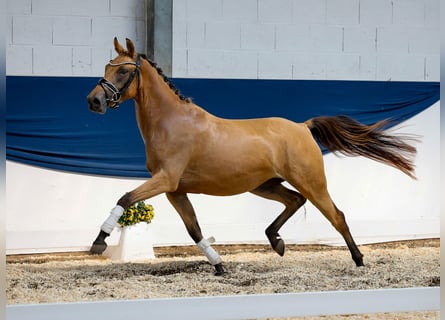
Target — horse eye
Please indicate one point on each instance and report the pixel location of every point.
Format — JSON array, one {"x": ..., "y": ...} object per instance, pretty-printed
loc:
[{"x": 123, "y": 71}]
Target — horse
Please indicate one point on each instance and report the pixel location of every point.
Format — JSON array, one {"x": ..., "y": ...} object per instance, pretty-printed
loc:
[{"x": 189, "y": 150}]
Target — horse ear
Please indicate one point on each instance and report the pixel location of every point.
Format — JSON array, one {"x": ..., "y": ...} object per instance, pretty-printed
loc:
[
  {"x": 130, "y": 48},
  {"x": 118, "y": 47}
]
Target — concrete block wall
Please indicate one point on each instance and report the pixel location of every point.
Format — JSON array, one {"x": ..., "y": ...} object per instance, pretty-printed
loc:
[
  {"x": 69, "y": 37},
  {"x": 257, "y": 39},
  {"x": 307, "y": 39}
]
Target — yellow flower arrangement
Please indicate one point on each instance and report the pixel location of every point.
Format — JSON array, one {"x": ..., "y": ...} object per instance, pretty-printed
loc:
[{"x": 139, "y": 212}]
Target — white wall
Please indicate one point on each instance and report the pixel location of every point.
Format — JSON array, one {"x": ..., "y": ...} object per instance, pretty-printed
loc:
[
  {"x": 307, "y": 39},
  {"x": 69, "y": 37}
]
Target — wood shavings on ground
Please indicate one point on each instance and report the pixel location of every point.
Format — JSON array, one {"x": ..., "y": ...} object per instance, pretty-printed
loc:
[{"x": 251, "y": 269}]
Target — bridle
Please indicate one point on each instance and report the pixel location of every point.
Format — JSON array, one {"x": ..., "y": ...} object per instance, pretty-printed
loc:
[{"x": 113, "y": 100}]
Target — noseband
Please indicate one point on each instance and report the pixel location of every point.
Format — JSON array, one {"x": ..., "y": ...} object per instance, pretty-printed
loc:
[{"x": 108, "y": 86}]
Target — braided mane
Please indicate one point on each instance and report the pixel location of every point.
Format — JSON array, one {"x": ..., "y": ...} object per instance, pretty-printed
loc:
[{"x": 166, "y": 79}]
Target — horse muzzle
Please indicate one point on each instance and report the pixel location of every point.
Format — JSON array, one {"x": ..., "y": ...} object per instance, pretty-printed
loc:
[{"x": 97, "y": 102}]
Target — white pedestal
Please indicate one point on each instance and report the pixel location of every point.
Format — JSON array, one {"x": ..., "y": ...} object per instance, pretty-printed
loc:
[{"x": 135, "y": 244}]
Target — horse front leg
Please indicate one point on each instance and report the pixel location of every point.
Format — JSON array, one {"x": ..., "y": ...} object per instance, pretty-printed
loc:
[
  {"x": 158, "y": 184},
  {"x": 183, "y": 206}
]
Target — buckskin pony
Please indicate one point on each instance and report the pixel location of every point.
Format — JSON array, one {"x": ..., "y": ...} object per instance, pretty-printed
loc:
[{"x": 189, "y": 150}]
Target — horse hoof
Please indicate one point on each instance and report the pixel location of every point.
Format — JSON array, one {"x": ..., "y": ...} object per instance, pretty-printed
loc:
[
  {"x": 276, "y": 242},
  {"x": 219, "y": 270},
  {"x": 98, "y": 248},
  {"x": 359, "y": 264},
  {"x": 279, "y": 247},
  {"x": 358, "y": 260}
]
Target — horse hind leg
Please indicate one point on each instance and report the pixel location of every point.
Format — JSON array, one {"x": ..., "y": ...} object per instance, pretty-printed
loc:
[
  {"x": 183, "y": 206},
  {"x": 321, "y": 199},
  {"x": 337, "y": 219},
  {"x": 343, "y": 228},
  {"x": 292, "y": 200}
]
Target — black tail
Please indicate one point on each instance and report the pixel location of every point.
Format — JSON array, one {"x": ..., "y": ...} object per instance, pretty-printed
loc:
[{"x": 349, "y": 137}]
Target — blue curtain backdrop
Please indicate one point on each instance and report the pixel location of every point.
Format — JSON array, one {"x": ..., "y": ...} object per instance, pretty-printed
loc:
[{"x": 48, "y": 123}]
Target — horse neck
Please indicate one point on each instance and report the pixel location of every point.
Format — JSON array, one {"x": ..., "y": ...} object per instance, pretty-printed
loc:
[
  {"x": 154, "y": 92},
  {"x": 156, "y": 101}
]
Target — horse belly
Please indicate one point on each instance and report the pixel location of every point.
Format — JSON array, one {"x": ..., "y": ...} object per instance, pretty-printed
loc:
[
  {"x": 228, "y": 178},
  {"x": 223, "y": 187}
]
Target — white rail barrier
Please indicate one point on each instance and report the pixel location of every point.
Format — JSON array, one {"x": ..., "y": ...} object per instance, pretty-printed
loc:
[{"x": 238, "y": 306}]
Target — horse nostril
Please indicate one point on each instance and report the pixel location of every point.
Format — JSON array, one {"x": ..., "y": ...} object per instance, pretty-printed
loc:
[
  {"x": 96, "y": 102},
  {"x": 93, "y": 101}
]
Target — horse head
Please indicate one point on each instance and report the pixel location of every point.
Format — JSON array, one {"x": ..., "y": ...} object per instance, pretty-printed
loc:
[{"x": 118, "y": 83}]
